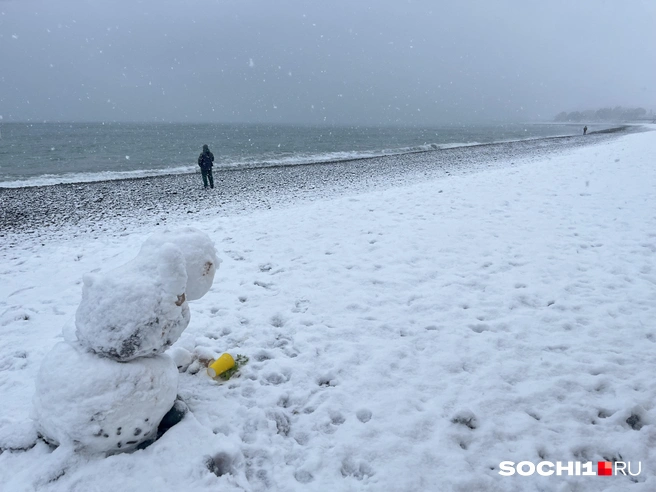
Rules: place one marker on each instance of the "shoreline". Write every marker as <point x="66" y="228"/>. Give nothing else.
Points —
<point x="237" y="167"/>
<point x="154" y="199"/>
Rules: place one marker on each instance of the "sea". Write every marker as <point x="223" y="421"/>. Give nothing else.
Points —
<point x="39" y="154"/>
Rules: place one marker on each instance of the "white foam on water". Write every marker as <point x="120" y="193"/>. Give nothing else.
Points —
<point x="53" y="179"/>
<point x="259" y="161"/>
<point x="256" y="162"/>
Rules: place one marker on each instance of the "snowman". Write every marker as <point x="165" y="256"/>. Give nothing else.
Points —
<point x="107" y="388"/>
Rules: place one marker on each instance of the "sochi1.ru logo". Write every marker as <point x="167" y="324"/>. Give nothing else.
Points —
<point x="572" y="468"/>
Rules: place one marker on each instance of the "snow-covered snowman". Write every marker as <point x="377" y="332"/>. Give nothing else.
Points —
<point x="106" y="388"/>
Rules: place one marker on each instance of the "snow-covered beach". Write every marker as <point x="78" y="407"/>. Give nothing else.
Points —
<point x="406" y="331"/>
<point x="152" y="201"/>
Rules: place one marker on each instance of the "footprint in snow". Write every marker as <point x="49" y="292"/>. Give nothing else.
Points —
<point x="262" y="355"/>
<point x="220" y="464"/>
<point x="264" y="285"/>
<point x="364" y="415"/>
<point x="275" y="378"/>
<point x="283" y="423"/>
<point x="301" y="306"/>
<point x="303" y="476"/>
<point x="466" y="418"/>
<point x="234" y="255"/>
<point x="359" y="470"/>
<point x="336" y="418"/>
<point x="479" y="328"/>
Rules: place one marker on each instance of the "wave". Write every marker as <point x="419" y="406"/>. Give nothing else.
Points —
<point x="244" y="163"/>
<point x="310" y="158"/>
<point x="253" y="162"/>
<point x="90" y="177"/>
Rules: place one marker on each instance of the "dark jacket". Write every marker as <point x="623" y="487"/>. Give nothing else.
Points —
<point x="206" y="159"/>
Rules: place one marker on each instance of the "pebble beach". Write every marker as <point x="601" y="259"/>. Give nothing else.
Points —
<point x="87" y="207"/>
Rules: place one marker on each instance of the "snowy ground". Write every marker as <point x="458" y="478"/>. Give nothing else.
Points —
<point x="404" y="339"/>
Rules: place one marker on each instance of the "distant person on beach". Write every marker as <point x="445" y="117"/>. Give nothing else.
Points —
<point x="585" y="129"/>
<point x="206" y="161"/>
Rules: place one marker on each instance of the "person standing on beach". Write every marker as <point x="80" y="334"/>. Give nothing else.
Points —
<point x="585" y="129"/>
<point x="206" y="161"/>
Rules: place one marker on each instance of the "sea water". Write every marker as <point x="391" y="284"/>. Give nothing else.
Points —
<point x="33" y="154"/>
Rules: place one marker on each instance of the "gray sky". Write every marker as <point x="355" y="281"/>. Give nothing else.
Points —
<point x="339" y="61"/>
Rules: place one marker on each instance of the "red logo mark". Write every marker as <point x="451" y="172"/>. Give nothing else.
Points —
<point x="604" y="468"/>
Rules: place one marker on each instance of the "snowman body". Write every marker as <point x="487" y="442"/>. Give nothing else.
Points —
<point x="108" y="389"/>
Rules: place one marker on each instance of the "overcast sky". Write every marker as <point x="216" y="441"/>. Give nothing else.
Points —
<point x="338" y="61"/>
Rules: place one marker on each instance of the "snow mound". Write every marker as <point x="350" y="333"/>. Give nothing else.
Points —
<point x="182" y="357"/>
<point x="101" y="405"/>
<point x="17" y="434"/>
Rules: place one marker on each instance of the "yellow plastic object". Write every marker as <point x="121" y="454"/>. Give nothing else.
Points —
<point x="221" y="365"/>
